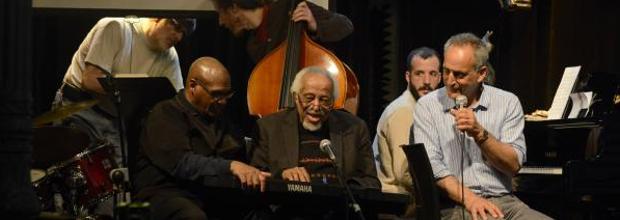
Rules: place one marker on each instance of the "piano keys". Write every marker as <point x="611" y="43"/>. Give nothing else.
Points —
<point x="540" y="170"/>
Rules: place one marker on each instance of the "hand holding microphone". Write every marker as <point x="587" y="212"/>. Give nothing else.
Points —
<point x="464" y="118"/>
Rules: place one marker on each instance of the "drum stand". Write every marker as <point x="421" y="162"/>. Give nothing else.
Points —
<point x="122" y="196"/>
<point x="66" y="185"/>
<point x="76" y="183"/>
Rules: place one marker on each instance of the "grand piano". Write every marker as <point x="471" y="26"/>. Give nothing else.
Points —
<point x="573" y="165"/>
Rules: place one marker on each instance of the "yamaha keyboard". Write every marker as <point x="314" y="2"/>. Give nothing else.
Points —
<point x="285" y="192"/>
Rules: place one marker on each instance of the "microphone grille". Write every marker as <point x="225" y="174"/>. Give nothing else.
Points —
<point x="461" y="100"/>
<point x="324" y="143"/>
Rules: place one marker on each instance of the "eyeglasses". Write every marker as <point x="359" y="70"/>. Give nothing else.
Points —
<point x="178" y="26"/>
<point x="216" y="95"/>
<point x="307" y="99"/>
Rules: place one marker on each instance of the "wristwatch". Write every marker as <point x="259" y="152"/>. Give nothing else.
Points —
<point x="485" y="136"/>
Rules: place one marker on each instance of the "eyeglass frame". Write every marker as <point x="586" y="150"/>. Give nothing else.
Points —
<point x="178" y="26"/>
<point x="216" y="97"/>
<point x="322" y="103"/>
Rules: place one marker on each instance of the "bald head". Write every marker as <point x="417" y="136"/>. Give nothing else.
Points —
<point x="207" y="69"/>
<point x="208" y="86"/>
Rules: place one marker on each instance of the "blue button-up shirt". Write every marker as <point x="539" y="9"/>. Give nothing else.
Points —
<point x="498" y="111"/>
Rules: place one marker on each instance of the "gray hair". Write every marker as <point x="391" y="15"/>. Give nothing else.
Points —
<point x="481" y="48"/>
<point x="297" y="82"/>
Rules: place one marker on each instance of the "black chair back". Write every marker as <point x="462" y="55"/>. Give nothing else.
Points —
<point x="425" y="191"/>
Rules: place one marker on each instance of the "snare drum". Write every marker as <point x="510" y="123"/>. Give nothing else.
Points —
<point x="88" y="174"/>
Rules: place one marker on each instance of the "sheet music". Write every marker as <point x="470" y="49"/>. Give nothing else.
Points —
<point x="581" y="100"/>
<point x="563" y="92"/>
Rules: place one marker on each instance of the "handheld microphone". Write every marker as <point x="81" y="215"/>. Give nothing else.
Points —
<point x="326" y="147"/>
<point x="460" y="101"/>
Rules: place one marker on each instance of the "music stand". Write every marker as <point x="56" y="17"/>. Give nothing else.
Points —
<point x="425" y="190"/>
<point x="136" y="96"/>
<point x="133" y="97"/>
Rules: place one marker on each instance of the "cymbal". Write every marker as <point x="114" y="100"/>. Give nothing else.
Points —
<point x="52" y="145"/>
<point x="36" y="174"/>
<point x="63" y="112"/>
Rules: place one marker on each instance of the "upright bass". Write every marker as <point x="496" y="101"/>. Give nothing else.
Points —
<point x="269" y="83"/>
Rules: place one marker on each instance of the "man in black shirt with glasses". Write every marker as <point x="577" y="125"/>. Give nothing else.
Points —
<point x="184" y="144"/>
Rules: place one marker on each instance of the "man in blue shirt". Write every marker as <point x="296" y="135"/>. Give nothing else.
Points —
<point x="481" y="143"/>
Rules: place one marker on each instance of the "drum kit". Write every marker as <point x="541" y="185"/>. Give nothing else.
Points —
<point x="68" y="176"/>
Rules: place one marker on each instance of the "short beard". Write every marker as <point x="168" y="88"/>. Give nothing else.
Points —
<point x="311" y="127"/>
<point x="413" y="92"/>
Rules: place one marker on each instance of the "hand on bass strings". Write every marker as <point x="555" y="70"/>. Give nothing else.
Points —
<point x="302" y="13"/>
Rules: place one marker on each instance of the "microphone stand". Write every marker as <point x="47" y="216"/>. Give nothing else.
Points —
<point x="353" y="202"/>
<point x="119" y="176"/>
<point x="461" y="101"/>
<point x="462" y="137"/>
